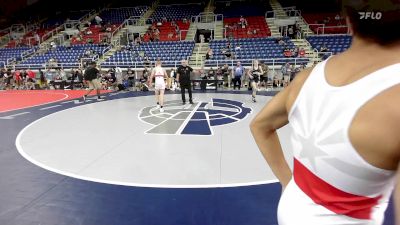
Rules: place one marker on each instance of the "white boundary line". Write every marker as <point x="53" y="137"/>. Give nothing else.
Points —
<point x="50" y="107"/>
<point x="31" y="106"/>
<point x="132" y="184"/>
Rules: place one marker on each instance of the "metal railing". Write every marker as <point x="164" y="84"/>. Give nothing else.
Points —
<point x="138" y="65"/>
<point x="47" y="66"/>
<point x="293" y="13"/>
<point x="207" y="18"/>
<point x="11" y="60"/>
<point x="270" y="14"/>
<point x="248" y="62"/>
<point x="52" y="33"/>
<point x="180" y="34"/>
<point x="321" y="30"/>
<point x="104" y="51"/>
<point x="88" y="15"/>
<point x="27" y="53"/>
<point x="231" y="62"/>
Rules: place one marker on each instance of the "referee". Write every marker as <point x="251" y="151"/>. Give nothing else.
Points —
<point x="183" y="77"/>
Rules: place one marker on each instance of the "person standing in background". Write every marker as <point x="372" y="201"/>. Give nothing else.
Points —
<point x="183" y="77"/>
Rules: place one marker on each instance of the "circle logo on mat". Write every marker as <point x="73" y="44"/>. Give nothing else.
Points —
<point x="192" y="119"/>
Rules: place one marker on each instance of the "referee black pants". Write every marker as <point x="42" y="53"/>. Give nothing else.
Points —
<point x="237" y="82"/>
<point x="189" y="88"/>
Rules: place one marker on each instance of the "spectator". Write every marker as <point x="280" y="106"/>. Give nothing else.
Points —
<point x="37" y="38"/>
<point x="237" y="74"/>
<point x="280" y="41"/>
<point x="201" y="37"/>
<point x="62" y="77"/>
<point x="226" y="75"/>
<point x="302" y="53"/>
<point x="264" y="76"/>
<point x="170" y="35"/>
<point x="286" y="72"/>
<point x="324" y="48"/>
<point x="290" y="32"/>
<point x="227" y="51"/>
<point x="147" y="62"/>
<point x="98" y="20"/>
<point x="287" y="53"/>
<point x="53" y="45"/>
<point x="209" y="53"/>
<point x="295" y="52"/>
<point x="338" y="20"/>
<point x="211" y="74"/>
<point x="243" y="22"/>
<point x="42" y="82"/>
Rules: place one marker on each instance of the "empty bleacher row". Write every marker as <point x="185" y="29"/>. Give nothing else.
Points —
<point x="326" y="23"/>
<point x="231" y="9"/>
<point x="63" y="57"/>
<point x="334" y="43"/>
<point x="242" y="49"/>
<point x="168" y="52"/>
<point x="247" y="49"/>
<point x="118" y="15"/>
<point x="256" y="27"/>
<point x="9" y="53"/>
<point x="176" y="12"/>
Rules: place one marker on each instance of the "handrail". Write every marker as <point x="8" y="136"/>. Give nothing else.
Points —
<point x="87" y="15"/>
<point x="268" y="13"/>
<point x="7" y="30"/>
<point x="289" y="8"/>
<point x="134" y="7"/>
<point x="45" y="65"/>
<point x="52" y="33"/>
<point x="11" y="60"/>
<point x="269" y="61"/>
<point x="324" y="27"/>
<point x="180" y="34"/>
<point x="215" y="18"/>
<point x="27" y="53"/>
<point x="296" y="13"/>
<point x="136" y="64"/>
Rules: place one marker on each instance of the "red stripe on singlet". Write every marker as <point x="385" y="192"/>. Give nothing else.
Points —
<point x="328" y="196"/>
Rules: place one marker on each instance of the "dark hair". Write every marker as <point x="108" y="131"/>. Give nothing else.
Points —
<point x="376" y="20"/>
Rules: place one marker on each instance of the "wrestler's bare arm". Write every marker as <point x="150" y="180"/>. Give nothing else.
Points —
<point x="272" y="117"/>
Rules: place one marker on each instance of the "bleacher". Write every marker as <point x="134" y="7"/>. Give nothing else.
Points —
<point x="168" y="32"/>
<point x="8" y="53"/>
<point x="59" y="19"/>
<point x="231" y="9"/>
<point x="332" y="26"/>
<point x="95" y="37"/>
<point x="244" y="50"/>
<point x="257" y="27"/>
<point x="335" y="43"/>
<point x="66" y="58"/>
<point x="118" y="15"/>
<point x="168" y="52"/>
<point x="176" y="12"/>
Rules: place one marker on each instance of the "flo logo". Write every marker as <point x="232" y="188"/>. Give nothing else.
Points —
<point x="194" y="119"/>
<point x="370" y="15"/>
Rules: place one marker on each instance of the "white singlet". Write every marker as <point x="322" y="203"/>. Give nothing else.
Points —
<point x="332" y="184"/>
<point x="159" y="78"/>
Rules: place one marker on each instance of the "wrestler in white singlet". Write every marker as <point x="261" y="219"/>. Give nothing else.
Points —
<point x="159" y="75"/>
<point x="332" y="184"/>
